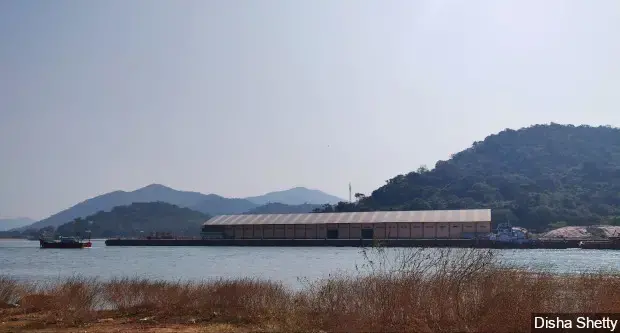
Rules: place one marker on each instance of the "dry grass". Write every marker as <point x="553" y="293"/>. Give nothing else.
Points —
<point x="230" y="301"/>
<point x="412" y="290"/>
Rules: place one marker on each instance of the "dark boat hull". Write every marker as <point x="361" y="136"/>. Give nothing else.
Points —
<point x="59" y="245"/>
<point x="600" y="245"/>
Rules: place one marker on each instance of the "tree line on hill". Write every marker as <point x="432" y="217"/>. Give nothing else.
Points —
<point x="538" y="177"/>
<point x="135" y="220"/>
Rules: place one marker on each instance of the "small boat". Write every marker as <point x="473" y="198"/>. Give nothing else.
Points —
<point x="64" y="243"/>
<point x="506" y="233"/>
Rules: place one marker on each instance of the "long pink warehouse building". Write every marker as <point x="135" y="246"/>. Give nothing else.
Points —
<point x="358" y="225"/>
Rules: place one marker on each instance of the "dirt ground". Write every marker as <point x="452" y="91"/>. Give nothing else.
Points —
<point x="35" y="323"/>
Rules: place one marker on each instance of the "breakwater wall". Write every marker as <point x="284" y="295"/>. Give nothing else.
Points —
<point x="464" y="243"/>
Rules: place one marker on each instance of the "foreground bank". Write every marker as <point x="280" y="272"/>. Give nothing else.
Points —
<point x="454" y="290"/>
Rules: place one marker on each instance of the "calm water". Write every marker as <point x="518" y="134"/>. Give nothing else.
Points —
<point x="24" y="260"/>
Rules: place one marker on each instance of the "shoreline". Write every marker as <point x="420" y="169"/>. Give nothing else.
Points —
<point x="349" y="242"/>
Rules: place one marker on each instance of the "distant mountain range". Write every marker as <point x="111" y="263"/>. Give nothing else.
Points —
<point x="280" y="208"/>
<point x="296" y="196"/>
<point x="213" y="204"/>
<point x="210" y="204"/>
<point x="14" y="223"/>
<point x="137" y="219"/>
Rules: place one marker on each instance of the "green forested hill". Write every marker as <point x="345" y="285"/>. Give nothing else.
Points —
<point x="133" y="219"/>
<point x="534" y="177"/>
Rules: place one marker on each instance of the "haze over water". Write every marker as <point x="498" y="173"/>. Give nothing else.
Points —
<point x="24" y="260"/>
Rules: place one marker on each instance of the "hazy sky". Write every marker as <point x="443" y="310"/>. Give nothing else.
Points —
<point x="241" y="98"/>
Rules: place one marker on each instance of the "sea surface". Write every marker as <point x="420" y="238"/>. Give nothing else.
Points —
<point x="294" y="266"/>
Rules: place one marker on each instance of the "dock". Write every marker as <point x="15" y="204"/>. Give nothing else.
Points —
<point x="612" y="243"/>
<point x="458" y="243"/>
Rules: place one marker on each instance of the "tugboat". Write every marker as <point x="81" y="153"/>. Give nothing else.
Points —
<point x="507" y="234"/>
<point x="65" y="243"/>
<point x="509" y="237"/>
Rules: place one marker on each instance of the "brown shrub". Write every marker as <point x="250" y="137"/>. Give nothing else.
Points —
<point x="10" y="291"/>
<point x="454" y="290"/>
<point x="243" y="300"/>
<point x="38" y="302"/>
<point x="70" y="302"/>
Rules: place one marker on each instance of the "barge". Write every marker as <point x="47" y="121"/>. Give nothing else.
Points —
<point x="463" y="243"/>
<point x="469" y="228"/>
<point x="505" y="237"/>
<point x="612" y="243"/>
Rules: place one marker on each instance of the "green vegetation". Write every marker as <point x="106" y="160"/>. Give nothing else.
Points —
<point x="532" y="177"/>
<point x="32" y="233"/>
<point x="557" y="225"/>
<point x="131" y="220"/>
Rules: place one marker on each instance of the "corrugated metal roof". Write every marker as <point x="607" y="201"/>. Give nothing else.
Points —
<point x="465" y="215"/>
